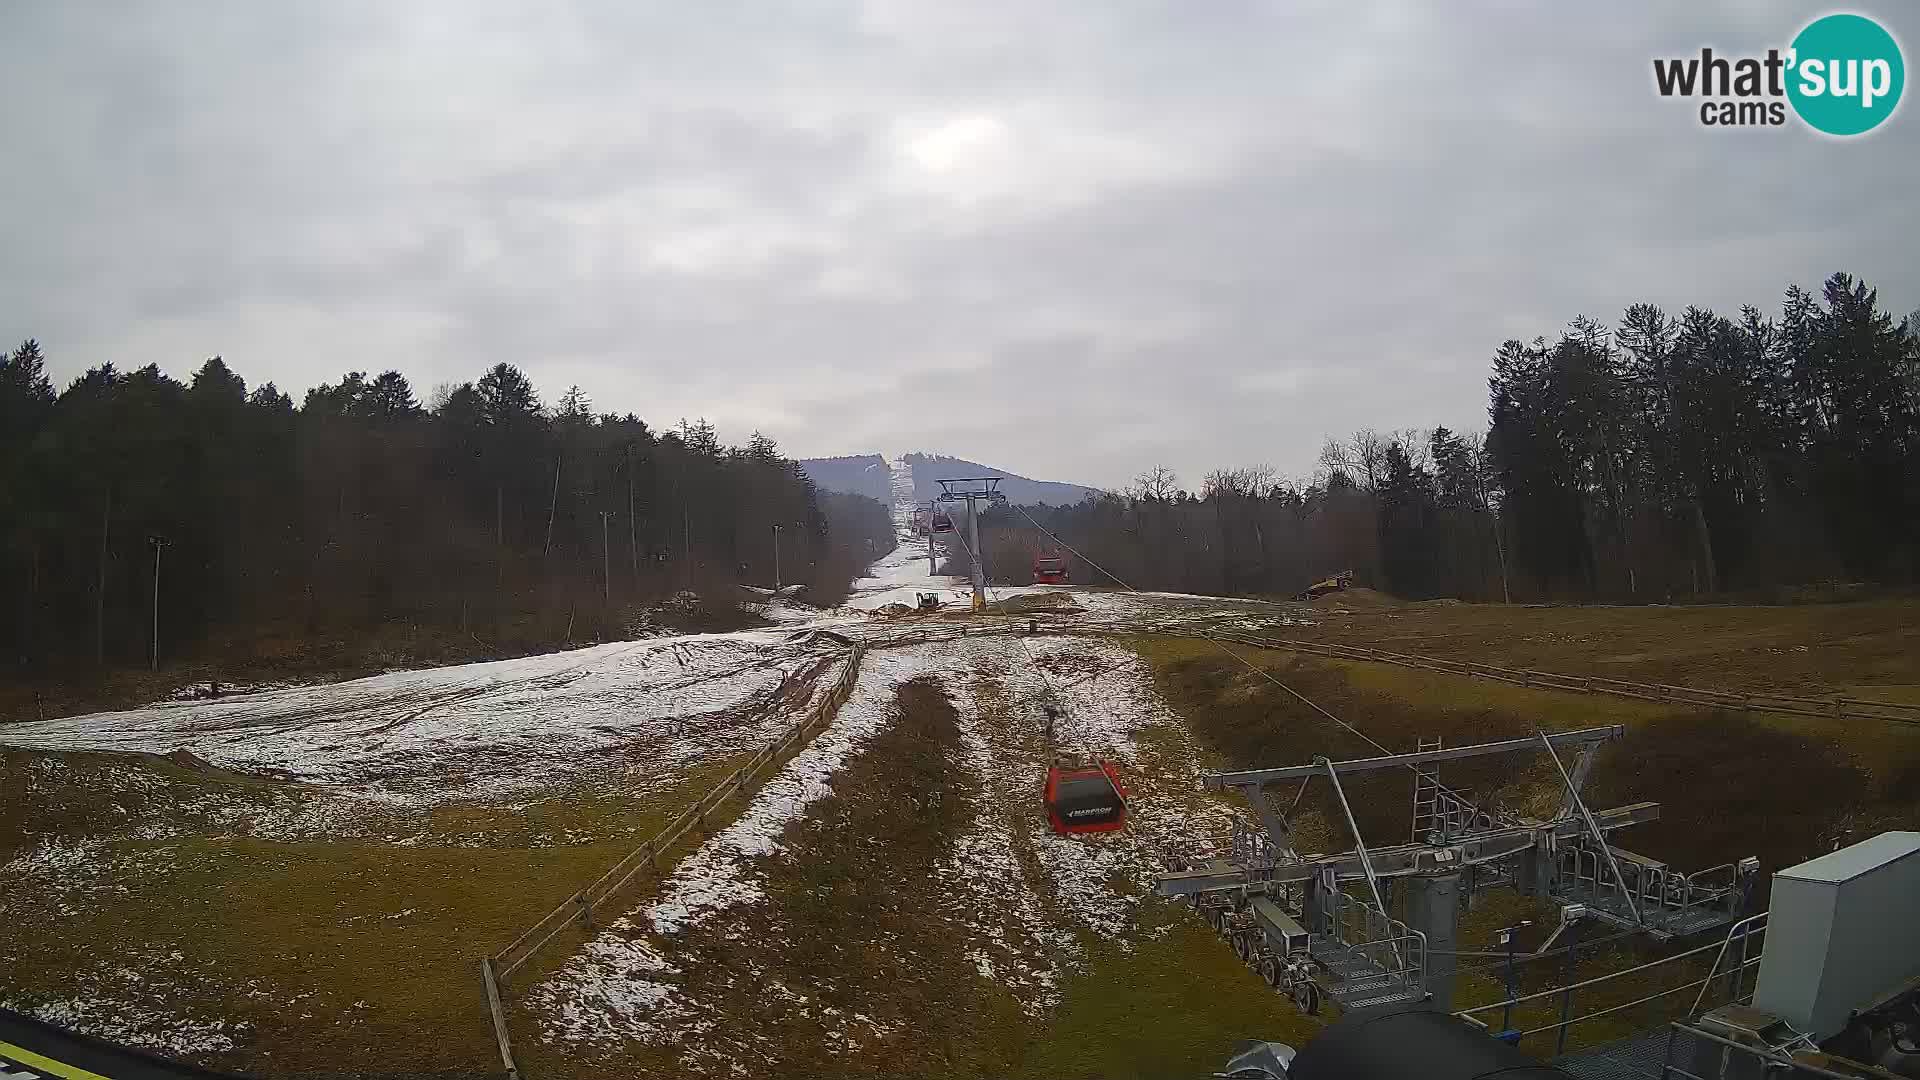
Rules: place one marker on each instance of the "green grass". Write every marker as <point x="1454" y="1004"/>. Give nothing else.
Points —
<point x="1871" y="644"/>
<point x="852" y="924"/>
<point x="329" y="951"/>
<point x="1718" y="775"/>
<point x="1174" y="1002"/>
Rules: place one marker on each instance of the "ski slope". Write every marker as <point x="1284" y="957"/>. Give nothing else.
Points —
<point x="494" y="755"/>
<point x="903" y="573"/>
<point x="472" y="730"/>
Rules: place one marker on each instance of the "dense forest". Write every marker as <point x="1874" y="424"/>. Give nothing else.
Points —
<point x="1667" y="457"/>
<point x="1670" y="457"/>
<point x="231" y="514"/>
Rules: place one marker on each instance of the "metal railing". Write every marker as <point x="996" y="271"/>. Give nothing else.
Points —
<point x="1746" y="931"/>
<point x="1360" y="848"/>
<point x="1248" y="845"/>
<point x="1736" y="973"/>
<point x="1767" y="1061"/>
<point x="1656" y="888"/>
<point x="1362" y="928"/>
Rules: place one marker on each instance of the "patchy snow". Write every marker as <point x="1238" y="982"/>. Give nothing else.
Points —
<point x="133" y="1019"/>
<point x="58" y="865"/>
<point x="614" y="976"/>
<point x="206" y="691"/>
<point x="900" y="575"/>
<point x="1003" y="909"/>
<point x="717" y="876"/>
<point x="1110" y="697"/>
<point x="115" y="991"/>
<point x="1025" y="931"/>
<point x="1027" y="901"/>
<point x="788" y="613"/>
<point x="1191" y="610"/>
<point x="474" y="730"/>
<point x="605" y="993"/>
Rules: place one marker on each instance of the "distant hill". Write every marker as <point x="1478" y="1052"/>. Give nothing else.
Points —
<point x="861" y="474"/>
<point x="928" y="468"/>
<point x="870" y="475"/>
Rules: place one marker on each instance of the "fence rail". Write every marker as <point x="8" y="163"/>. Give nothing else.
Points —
<point x="578" y="909"/>
<point x="1833" y="707"/>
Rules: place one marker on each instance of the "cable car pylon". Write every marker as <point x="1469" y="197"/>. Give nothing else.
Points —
<point x="971" y="490"/>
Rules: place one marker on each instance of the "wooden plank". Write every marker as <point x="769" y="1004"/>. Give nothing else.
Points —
<point x="642" y="854"/>
<point x="534" y="949"/>
<point x="644" y="865"/>
<point x="557" y="913"/>
<point x="1904" y="705"/>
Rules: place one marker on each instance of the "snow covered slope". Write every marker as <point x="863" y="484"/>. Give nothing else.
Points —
<point x="904" y="572"/>
<point x="473" y="729"/>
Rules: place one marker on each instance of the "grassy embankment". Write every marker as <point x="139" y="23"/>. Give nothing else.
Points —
<point x="1781" y="788"/>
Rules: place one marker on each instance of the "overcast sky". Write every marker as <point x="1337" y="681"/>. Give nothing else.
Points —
<point x="1072" y="239"/>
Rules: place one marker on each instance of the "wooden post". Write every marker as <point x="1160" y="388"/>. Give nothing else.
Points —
<point x="499" y="1018"/>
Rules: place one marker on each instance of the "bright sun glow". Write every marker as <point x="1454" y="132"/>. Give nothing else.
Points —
<point x="957" y="142"/>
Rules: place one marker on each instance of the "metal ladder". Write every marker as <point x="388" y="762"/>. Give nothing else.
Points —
<point x="1426" y="796"/>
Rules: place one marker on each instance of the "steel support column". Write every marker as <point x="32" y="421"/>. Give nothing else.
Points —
<point x="1433" y="908"/>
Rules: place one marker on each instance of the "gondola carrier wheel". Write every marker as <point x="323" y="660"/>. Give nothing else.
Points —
<point x="1306" y="997"/>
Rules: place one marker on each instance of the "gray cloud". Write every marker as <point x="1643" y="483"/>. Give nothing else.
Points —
<point x="1073" y="239"/>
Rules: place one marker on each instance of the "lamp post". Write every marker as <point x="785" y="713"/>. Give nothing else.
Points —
<point x="606" y="560"/>
<point x="157" y="542"/>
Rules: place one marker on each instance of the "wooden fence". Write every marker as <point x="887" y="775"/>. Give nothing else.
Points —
<point x="1830" y="707"/>
<point x="578" y="909"/>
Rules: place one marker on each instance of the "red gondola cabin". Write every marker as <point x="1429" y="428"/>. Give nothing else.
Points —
<point x="1085" y="799"/>
<point x="1049" y="569"/>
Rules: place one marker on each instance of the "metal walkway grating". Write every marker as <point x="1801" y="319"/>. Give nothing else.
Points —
<point x="1636" y="1057"/>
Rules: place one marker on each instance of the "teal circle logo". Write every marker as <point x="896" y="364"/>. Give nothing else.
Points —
<point x="1846" y="74"/>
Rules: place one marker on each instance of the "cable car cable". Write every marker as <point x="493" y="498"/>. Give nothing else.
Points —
<point x="1053" y="692"/>
<point x="1255" y="668"/>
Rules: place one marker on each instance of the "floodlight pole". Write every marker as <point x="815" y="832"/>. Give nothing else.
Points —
<point x="158" y="543"/>
<point x="606" y="560"/>
<point x="932" y="565"/>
